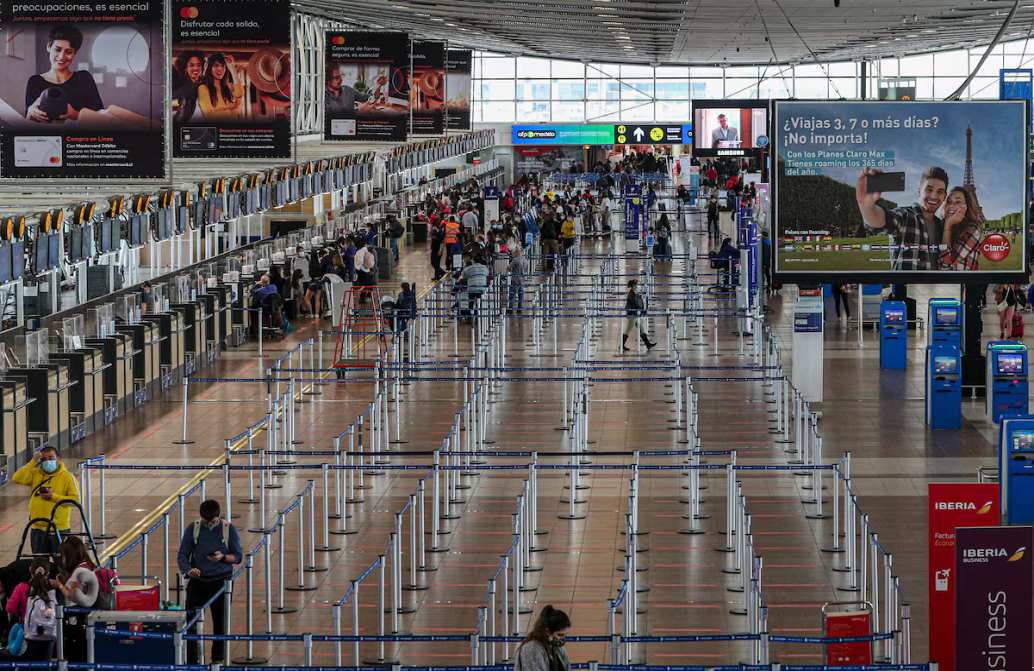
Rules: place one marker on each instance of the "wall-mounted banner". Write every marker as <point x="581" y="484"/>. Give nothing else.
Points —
<point x="993" y="597"/>
<point x="82" y="89"/>
<point x="427" y="88"/>
<point x="951" y="505"/>
<point x="367" y="96"/>
<point x="231" y="78"/>
<point x="459" y="65"/>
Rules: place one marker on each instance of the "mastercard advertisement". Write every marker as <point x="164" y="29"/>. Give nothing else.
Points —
<point x="907" y="191"/>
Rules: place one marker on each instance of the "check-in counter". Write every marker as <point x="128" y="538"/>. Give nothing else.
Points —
<point x="211" y="322"/>
<point x="171" y="343"/>
<point x="145" y="371"/>
<point x="14" y="430"/>
<point x="48" y="416"/>
<point x="86" y="395"/>
<point x="192" y="317"/>
<point x="117" y="375"/>
<point x="224" y="320"/>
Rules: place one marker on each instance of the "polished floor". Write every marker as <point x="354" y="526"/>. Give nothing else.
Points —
<point x="877" y="416"/>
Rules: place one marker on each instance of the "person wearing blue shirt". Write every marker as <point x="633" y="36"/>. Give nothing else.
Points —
<point x="263" y="289"/>
<point x="209" y="549"/>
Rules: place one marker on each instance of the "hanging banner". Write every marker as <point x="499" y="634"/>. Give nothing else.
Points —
<point x="231" y="78"/>
<point x="993" y="597"/>
<point x="951" y="505"/>
<point x="459" y="64"/>
<point x="367" y="93"/>
<point x="82" y="90"/>
<point x="427" y="89"/>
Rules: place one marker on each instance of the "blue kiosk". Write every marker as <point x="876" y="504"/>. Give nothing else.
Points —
<point x="943" y="387"/>
<point x="1006" y="379"/>
<point x="944" y="322"/>
<point x="1016" y="469"/>
<point x="893" y="335"/>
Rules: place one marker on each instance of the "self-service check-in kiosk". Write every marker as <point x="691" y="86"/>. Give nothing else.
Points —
<point x="944" y="322"/>
<point x="1006" y="379"/>
<point x="1016" y="469"/>
<point x="893" y="335"/>
<point x="943" y="387"/>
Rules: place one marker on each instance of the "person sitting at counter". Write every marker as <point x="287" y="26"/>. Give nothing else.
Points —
<point x="263" y="289"/>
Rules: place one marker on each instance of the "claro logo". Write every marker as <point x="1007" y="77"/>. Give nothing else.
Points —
<point x="995" y="247"/>
<point x="964" y="505"/>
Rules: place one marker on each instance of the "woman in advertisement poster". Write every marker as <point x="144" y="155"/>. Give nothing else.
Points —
<point x="188" y="72"/>
<point x="960" y="246"/>
<point x="220" y="96"/>
<point x="59" y="93"/>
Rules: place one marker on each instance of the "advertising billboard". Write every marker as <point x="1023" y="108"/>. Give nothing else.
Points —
<point x="951" y="505"/>
<point x="730" y="127"/>
<point x="993" y="597"/>
<point x="82" y="90"/>
<point x="459" y="65"/>
<point x="900" y="192"/>
<point x="367" y="86"/>
<point x="231" y="78"/>
<point x="427" y="88"/>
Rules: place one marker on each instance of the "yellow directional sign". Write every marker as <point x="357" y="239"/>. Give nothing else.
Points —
<point x="621" y="139"/>
<point x="656" y="134"/>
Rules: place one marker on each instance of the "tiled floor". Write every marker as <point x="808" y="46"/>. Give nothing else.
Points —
<point x="877" y="416"/>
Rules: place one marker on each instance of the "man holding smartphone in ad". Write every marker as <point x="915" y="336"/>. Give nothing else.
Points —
<point x="916" y="230"/>
<point x="50" y="484"/>
<point x="208" y="551"/>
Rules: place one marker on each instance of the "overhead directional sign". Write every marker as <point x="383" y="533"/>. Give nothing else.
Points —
<point x="626" y="133"/>
<point x="601" y="134"/>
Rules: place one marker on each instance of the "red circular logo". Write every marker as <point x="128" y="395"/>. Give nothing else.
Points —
<point x="188" y="13"/>
<point x="995" y="247"/>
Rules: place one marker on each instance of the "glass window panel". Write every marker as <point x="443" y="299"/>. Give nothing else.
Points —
<point x="533" y="111"/>
<point x="568" y="111"/>
<point x="493" y="68"/>
<point x="1019" y="60"/>
<point x="741" y="72"/>
<point x="950" y="63"/>
<point x="602" y="89"/>
<point x="945" y="86"/>
<point x="916" y="65"/>
<point x="602" y="110"/>
<point x="776" y="87"/>
<point x="497" y="89"/>
<point x="636" y="111"/>
<point x="990" y="67"/>
<point x="672" y="110"/>
<point x="598" y="69"/>
<point x="704" y="73"/>
<point x="476" y="113"/>
<point x="808" y="70"/>
<point x="1020" y="46"/>
<point x="811" y="87"/>
<point x="636" y="89"/>
<point x="842" y="69"/>
<point x="741" y="88"/>
<point x="567" y="69"/>
<point x="888" y="67"/>
<point x="706" y="89"/>
<point x="673" y="89"/>
<point x="532" y="67"/>
<point x="984" y="88"/>
<point x="672" y="71"/>
<point x="533" y="89"/>
<point x="568" y="89"/>
<point x="497" y="112"/>
<point x="636" y="71"/>
<point x="843" y="87"/>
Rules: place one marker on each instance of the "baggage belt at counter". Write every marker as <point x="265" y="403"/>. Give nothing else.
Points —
<point x="85" y="393"/>
<point x="117" y="373"/>
<point x="14" y="432"/>
<point x="170" y="345"/>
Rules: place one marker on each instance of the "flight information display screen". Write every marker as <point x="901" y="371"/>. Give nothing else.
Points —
<point x="1010" y="364"/>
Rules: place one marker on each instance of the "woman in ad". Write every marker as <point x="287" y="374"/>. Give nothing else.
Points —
<point x="960" y="248"/>
<point x="219" y="96"/>
<point x="59" y="93"/>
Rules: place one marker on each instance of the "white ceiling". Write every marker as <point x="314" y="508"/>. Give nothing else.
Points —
<point x="702" y="32"/>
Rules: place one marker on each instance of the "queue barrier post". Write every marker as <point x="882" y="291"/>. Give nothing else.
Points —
<point x="183" y="424"/>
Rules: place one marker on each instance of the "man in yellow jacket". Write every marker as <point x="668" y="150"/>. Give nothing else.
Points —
<point x="51" y="483"/>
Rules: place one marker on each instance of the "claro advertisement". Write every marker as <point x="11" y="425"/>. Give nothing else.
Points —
<point x="459" y="64"/>
<point x="917" y="191"/>
<point x="367" y="81"/>
<point x="82" y="89"/>
<point x="231" y="78"/>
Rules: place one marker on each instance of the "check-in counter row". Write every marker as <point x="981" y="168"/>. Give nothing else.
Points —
<point x="80" y="391"/>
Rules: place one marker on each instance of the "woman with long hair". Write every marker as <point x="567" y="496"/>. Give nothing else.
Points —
<point x="960" y="245"/>
<point x="220" y="96"/>
<point x="40" y="620"/>
<point x="77" y="580"/>
<point x="543" y="647"/>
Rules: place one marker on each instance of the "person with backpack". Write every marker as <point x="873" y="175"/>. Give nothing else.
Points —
<point x="635" y="310"/>
<point x="208" y="551"/>
<point x="33" y="638"/>
<point x="395" y="231"/>
<point x="543" y="647"/>
<point x="51" y="484"/>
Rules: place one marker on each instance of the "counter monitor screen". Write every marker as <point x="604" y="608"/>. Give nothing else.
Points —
<point x="136" y="237"/>
<point x="40" y="258"/>
<point x="84" y="241"/>
<point x="114" y="235"/>
<point x="945" y="316"/>
<point x="945" y="365"/>
<point x="17" y="260"/>
<point x="105" y="242"/>
<point x="894" y="316"/>
<point x="75" y="244"/>
<point x="5" y="263"/>
<point x="1010" y="364"/>
<point x="1022" y="441"/>
<point x="54" y="243"/>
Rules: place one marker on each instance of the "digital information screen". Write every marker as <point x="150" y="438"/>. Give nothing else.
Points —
<point x="946" y="316"/>
<point x="945" y="365"/>
<point x="894" y="316"/>
<point x="730" y="127"/>
<point x="1022" y="441"/>
<point x="1010" y="364"/>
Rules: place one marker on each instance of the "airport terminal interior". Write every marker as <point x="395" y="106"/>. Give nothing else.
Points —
<point x="581" y="334"/>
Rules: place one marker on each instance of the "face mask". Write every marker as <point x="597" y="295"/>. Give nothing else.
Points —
<point x="211" y="524"/>
<point x="557" y="642"/>
<point x="49" y="466"/>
